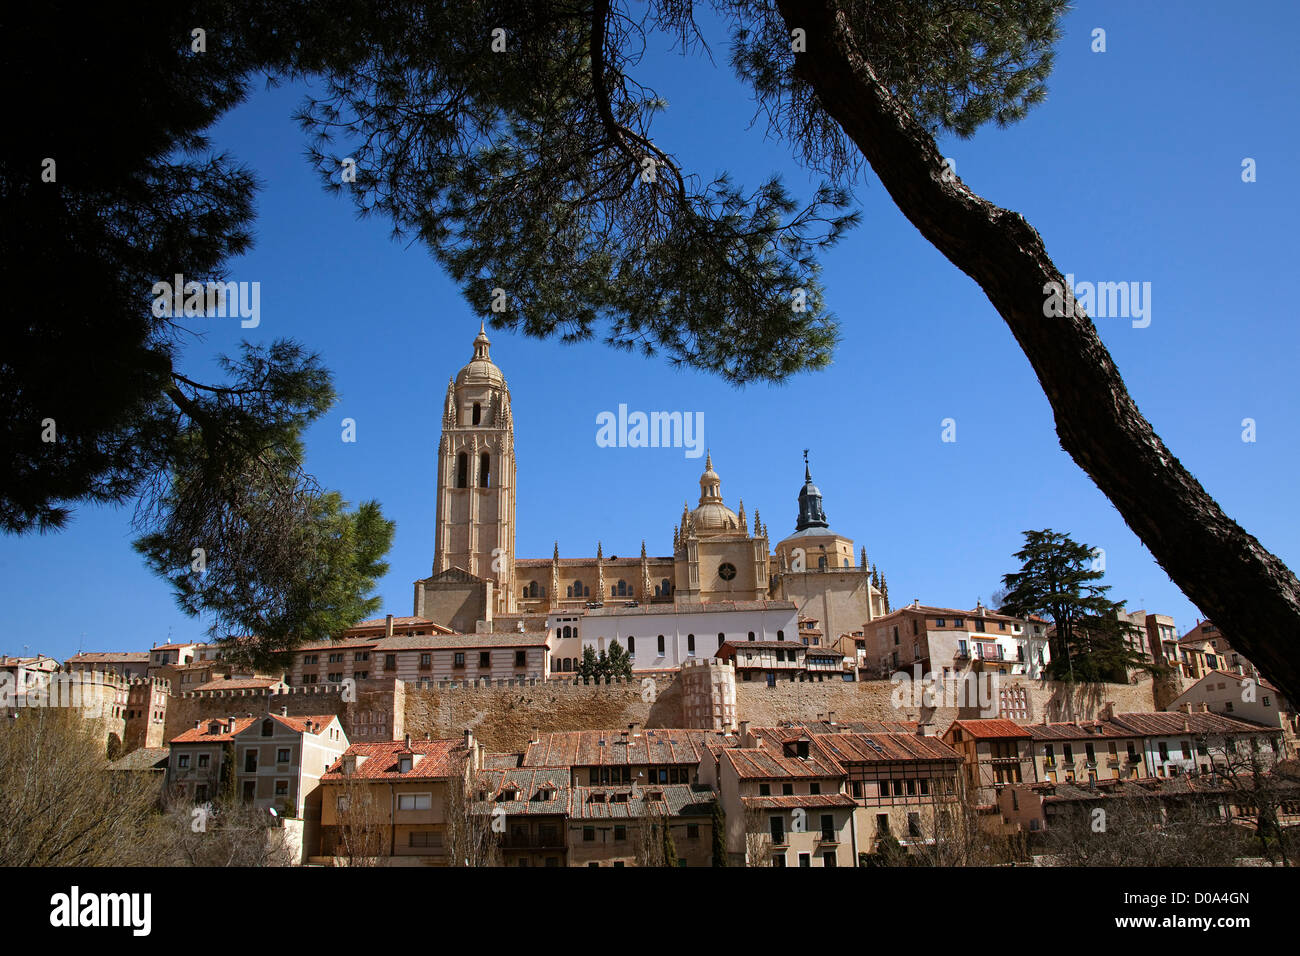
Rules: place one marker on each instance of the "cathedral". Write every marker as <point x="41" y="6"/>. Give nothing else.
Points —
<point x="478" y="583"/>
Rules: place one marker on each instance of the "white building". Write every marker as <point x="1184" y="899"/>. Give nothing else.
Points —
<point x="663" y="636"/>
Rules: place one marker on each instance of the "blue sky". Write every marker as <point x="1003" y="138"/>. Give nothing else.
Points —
<point x="1131" y="171"/>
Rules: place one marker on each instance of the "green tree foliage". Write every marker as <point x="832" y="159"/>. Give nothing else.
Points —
<point x="1057" y="581"/>
<point x="719" y="836"/>
<point x="589" y="667"/>
<point x="669" y="848"/>
<point x="619" y="661"/>
<point x="134" y="197"/>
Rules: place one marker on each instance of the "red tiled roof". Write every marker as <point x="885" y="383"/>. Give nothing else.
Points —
<point x="120" y="657"/>
<point x="299" y="724"/>
<point x="770" y="762"/>
<point x="847" y="748"/>
<point x="992" y="728"/>
<point x="1082" y="730"/>
<point x="202" y="734"/>
<point x="437" y="760"/>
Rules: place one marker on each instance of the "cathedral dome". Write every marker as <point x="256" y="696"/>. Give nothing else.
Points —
<point x="712" y="516"/>
<point x="481" y="370"/>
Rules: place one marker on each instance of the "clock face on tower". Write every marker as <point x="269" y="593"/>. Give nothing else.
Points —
<point x="726" y="570"/>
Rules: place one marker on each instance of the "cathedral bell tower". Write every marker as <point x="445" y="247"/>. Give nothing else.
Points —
<point x="475" y="529"/>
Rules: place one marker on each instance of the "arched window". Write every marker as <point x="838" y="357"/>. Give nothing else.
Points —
<point x="578" y="590"/>
<point x="532" y="590"/>
<point x="462" y="470"/>
<point x="661" y="645"/>
<point x="622" y="588"/>
<point x="656" y="590"/>
<point x="268" y="727"/>
<point x="567" y="631"/>
<point x="846" y="562"/>
<point x="485" y="470"/>
<point x="569" y="591"/>
<point x="665" y="587"/>
<point x="780" y="635"/>
<point x="690" y="643"/>
<point x="751" y="635"/>
<point x="821" y="563"/>
<point x="721" y="638"/>
<point x="631" y="644"/>
<point x="477" y="414"/>
<point x="558" y="635"/>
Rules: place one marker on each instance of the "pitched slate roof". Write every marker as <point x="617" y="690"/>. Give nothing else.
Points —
<point x="502" y="761"/>
<point x="1083" y="730"/>
<point x="678" y="800"/>
<point x="146" y="758"/>
<point x="109" y="657"/>
<point x="769" y="761"/>
<point x="849" y="748"/>
<point x="589" y="748"/>
<point x="527" y="783"/>
<point x="1173" y="723"/>
<point x="437" y="759"/>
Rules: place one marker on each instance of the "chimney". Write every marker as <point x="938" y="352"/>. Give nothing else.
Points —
<point x="198" y="724"/>
<point x="1108" y="710"/>
<point x="309" y="726"/>
<point x="925" y="730"/>
<point x="534" y="736"/>
<point x="830" y="717"/>
<point x="388" y="626"/>
<point x="635" y="727"/>
<point x="408" y="741"/>
<point x="1185" y="707"/>
<point x="469" y="740"/>
<point x="757" y="742"/>
<point x="744" y="731"/>
<point x="284" y="710"/>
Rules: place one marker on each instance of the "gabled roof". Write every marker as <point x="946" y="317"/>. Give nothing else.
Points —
<point x="589" y="748"/>
<point x="204" y="735"/>
<point x="528" y="784"/>
<point x="1082" y="730"/>
<point x="991" y="729"/>
<point x="676" y="800"/>
<point x="808" y="801"/>
<point x="319" y="723"/>
<point x="436" y="761"/>
<point x="146" y="758"/>
<point x="848" y="748"/>
<point x="1174" y="723"/>
<point x="768" y="761"/>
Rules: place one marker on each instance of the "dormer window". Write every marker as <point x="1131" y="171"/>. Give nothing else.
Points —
<point x="404" y="764"/>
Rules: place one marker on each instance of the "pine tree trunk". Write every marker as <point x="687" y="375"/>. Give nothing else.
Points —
<point x="1251" y="596"/>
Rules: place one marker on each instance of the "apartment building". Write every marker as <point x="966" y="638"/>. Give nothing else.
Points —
<point x="1242" y="698"/>
<point x="903" y="784"/>
<point x="784" y="801"/>
<point x="619" y="826"/>
<point x="351" y="654"/>
<point x="528" y="809"/>
<point x="194" y="770"/>
<point x="625" y="757"/>
<point x="663" y="637"/>
<point x="123" y="663"/>
<point x="996" y="752"/>
<point x="768" y="661"/>
<point x="951" y="643"/>
<point x="1085" y="751"/>
<point x="399" y="792"/>
<point x="281" y="759"/>
<point x="1187" y="741"/>
<point x="1214" y="652"/>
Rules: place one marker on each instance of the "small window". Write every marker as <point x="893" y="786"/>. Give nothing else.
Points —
<point x="282" y="755"/>
<point x="751" y="635"/>
<point x="462" y="470"/>
<point x="780" y="635"/>
<point x="520" y="659"/>
<point x="589" y="836"/>
<point x="484" y="658"/>
<point x="268" y="727"/>
<point x="426" y="660"/>
<point x="631" y="644"/>
<point x="459" y="660"/>
<point x="690" y="638"/>
<point x="690" y="643"/>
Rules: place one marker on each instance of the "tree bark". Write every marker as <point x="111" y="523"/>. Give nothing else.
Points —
<point x="1250" y="595"/>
